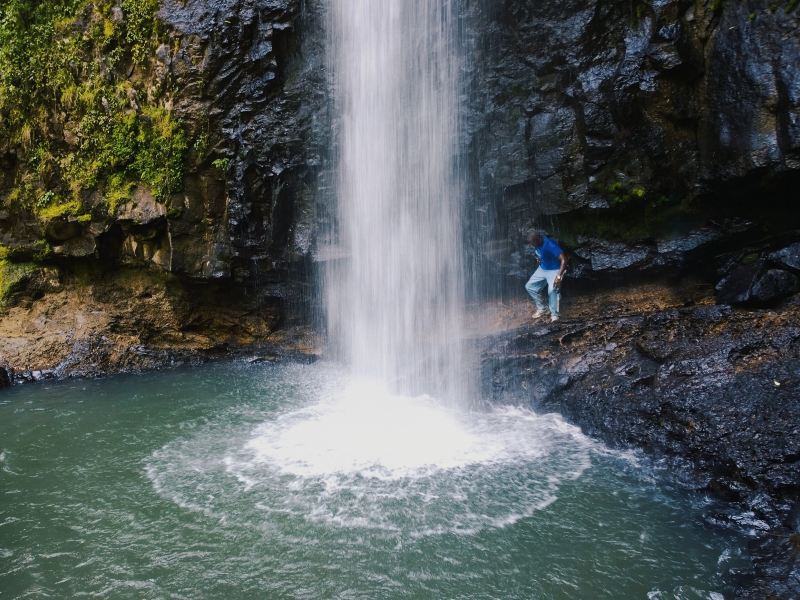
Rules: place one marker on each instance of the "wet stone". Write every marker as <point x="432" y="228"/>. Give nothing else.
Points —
<point x="775" y="284"/>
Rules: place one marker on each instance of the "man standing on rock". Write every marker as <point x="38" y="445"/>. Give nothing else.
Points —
<point x="552" y="265"/>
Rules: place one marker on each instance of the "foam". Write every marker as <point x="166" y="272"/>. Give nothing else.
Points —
<point x="364" y="458"/>
<point x="367" y="431"/>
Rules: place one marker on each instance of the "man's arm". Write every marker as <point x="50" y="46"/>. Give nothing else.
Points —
<point x="563" y="260"/>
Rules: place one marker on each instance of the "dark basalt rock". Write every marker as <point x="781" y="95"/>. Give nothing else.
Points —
<point x="651" y="120"/>
<point x="788" y="257"/>
<point x="774" y="285"/>
<point x="6" y="378"/>
<point x="748" y="280"/>
<point x="254" y="70"/>
<point x="711" y="386"/>
<point x="737" y="286"/>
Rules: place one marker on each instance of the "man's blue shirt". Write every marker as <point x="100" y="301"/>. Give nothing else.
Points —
<point x="548" y="254"/>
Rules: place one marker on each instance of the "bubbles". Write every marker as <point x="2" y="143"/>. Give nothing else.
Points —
<point x="363" y="430"/>
<point x="361" y="457"/>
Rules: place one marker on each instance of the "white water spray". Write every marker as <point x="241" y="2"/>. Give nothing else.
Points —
<point x="394" y="304"/>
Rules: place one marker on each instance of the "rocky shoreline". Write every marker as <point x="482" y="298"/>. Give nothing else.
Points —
<point x="136" y="320"/>
<point x="710" y="387"/>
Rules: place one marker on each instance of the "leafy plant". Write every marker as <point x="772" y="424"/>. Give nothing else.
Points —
<point x="221" y="164"/>
<point x="69" y="111"/>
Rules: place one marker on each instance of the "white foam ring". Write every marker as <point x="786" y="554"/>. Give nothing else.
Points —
<point x="364" y="458"/>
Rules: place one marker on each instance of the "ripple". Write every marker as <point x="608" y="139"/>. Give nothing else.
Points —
<point x="362" y="458"/>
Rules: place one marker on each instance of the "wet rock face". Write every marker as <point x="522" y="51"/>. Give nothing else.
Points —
<point x="250" y="73"/>
<point x="244" y="77"/>
<point x="760" y="279"/>
<point x="5" y="377"/>
<point x="596" y="121"/>
<point x="713" y="386"/>
<point x="621" y="111"/>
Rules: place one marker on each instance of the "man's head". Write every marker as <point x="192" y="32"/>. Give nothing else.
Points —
<point x="536" y="238"/>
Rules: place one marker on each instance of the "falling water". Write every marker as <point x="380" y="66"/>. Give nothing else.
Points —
<point x="394" y="303"/>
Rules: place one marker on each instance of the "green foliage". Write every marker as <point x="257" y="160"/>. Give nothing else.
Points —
<point x="142" y="27"/>
<point x="58" y="209"/>
<point x="12" y="276"/>
<point x="162" y="147"/>
<point x="41" y="250"/>
<point x="620" y="193"/>
<point x="221" y="164"/>
<point x="37" y="252"/>
<point x="118" y="190"/>
<point x="70" y="112"/>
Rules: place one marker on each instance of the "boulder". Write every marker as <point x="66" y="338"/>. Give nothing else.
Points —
<point x="142" y="208"/>
<point x="788" y="257"/>
<point x="736" y="286"/>
<point x="774" y="285"/>
<point x="84" y="245"/>
<point x="612" y="256"/>
<point x="6" y="378"/>
<point x="63" y="228"/>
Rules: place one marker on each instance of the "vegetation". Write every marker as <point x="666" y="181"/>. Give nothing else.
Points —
<point x="221" y="164"/>
<point x="73" y="108"/>
<point x="12" y="275"/>
<point x="634" y="214"/>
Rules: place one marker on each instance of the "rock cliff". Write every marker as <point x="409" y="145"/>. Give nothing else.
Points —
<point x="644" y="135"/>
<point x="224" y="100"/>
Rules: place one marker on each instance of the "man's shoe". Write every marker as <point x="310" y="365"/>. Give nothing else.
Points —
<point x="553" y="318"/>
<point x="538" y="313"/>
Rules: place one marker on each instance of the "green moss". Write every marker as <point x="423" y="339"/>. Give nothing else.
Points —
<point x="36" y="252"/>
<point x="12" y="276"/>
<point x="750" y="259"/>
<point x="58" y="209"/>
<point x="618" y="192"/>
<point x="174" y="212"/>
<point x="162" y="147"/>
<point x="41" y="250"/>
<point x="118" y="191"/>
<point x="64" y="67"/>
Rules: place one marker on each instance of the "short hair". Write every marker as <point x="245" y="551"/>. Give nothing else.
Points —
<point x="535" y="237"/>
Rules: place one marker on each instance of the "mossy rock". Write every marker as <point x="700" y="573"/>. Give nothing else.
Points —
<point x="74" y="118"/>
<point x="13" y="277"/>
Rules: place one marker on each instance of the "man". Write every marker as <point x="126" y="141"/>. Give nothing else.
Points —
<point x="550" y="273"/>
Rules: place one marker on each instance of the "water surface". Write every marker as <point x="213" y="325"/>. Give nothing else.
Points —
<point x="287" y="481"/>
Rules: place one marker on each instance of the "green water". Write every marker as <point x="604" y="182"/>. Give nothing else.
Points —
<point x="267" y="481"/>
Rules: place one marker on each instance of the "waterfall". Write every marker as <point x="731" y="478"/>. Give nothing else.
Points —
<point x="394" y="301"/>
